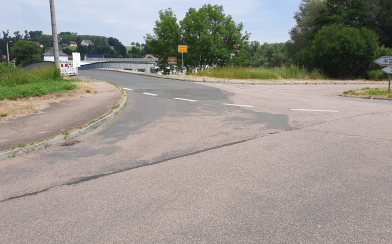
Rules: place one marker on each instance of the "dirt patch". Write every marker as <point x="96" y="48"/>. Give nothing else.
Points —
<point x="20" y="107"/>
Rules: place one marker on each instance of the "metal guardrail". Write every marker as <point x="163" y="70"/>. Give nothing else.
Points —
<point x="136" y="60"/>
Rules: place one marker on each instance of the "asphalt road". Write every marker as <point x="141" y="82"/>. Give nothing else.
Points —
<point x="211" y="163"/>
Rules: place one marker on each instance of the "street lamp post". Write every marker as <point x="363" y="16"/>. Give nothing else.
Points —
<point x="8" y="53"/>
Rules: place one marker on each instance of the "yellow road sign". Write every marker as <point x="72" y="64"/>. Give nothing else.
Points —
<point x="182" y="48"/>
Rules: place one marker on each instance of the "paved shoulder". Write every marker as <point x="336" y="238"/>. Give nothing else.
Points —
<point x="59" y="117"/>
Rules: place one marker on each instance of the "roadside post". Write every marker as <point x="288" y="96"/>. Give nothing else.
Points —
<point x="182" y="49"/>
<point x="386" y="61"/>
<point x="172" y="61"/>
<point x="76" y="63"/>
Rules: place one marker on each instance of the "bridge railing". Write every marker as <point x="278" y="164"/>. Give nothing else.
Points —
<point x="122" y="59"/>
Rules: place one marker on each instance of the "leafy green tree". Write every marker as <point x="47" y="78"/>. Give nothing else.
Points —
<point x="348" y="13"/>
<point x="212" y="37"/>
<point x="301" y="34"/>
<point x="26" y="52"/>
<point x="67" y="51"/>
<point x="340" y="52"/>
<point x="18" y="36"/>
<point x="35" y="34"/>
<point x="165" y="39"/>
<point x="266" y="55"/>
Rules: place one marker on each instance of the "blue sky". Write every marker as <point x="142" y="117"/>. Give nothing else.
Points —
<point x="129" y="21"/>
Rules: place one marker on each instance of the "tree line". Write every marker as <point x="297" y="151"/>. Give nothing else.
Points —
<point x="339" y="38"/>
<point x="22" y="46"/>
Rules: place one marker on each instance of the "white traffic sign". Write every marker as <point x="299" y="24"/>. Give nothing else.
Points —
<point x="384" y="61"/>
<point x="76" y="59"/>
<point x="387" y="70"/>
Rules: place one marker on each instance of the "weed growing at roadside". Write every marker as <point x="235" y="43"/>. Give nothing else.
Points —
<point x="287" y="72"/>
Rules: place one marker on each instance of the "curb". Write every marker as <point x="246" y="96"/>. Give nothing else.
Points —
<point x="255" y="82"/>
<point x="63" y="139"/>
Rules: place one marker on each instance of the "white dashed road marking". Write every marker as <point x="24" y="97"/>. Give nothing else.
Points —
<point x="184" y="99"/>
<point x="150" y="94"/>
<point x="238" y="105"/>
<point x="127" y="89"/>
<point x="314" y="110"/>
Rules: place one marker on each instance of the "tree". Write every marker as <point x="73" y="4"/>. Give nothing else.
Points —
<point x="26" y="35"/>
<point x="349" y="13"/>
<point x="340" y="51"/>
<point x="68" y="33"/>
<point x="6" y="35"/>
<point x="212" y="37"/>
<point x="309" y="11"/>
<point x="25" y="52"/>
<point x="163" y="43"/>
<point x="18" y="36"/>
<point x="35" y="34"/>
<point x="266" y="55"/>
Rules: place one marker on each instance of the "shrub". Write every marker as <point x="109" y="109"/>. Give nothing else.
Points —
<point x="340" y="52"/>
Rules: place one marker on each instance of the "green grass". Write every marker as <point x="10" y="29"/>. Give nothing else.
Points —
<point x="369" y="92"/>
<point x="129" y="48"/>
<point x="289" y="72"/>
<point x="19" y="83"/>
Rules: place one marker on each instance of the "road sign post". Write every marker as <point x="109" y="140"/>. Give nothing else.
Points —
<point x="386" y="61"/>
<point x="182" y="49"/>
<point x="172" y="60"/>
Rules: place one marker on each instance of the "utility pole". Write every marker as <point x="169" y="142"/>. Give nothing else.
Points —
<point x="8" y="53"/>
<point x="54" y="34"/>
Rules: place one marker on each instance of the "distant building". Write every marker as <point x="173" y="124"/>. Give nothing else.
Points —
<point x="92" y="57"/>
<point x="86" y="43"/>
<point x="4" y="57"/>
<point x="49" y="56"/>
<point x="73" y="44"/>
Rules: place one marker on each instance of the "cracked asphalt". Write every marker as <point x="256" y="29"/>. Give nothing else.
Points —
<point x="211" y="163"/>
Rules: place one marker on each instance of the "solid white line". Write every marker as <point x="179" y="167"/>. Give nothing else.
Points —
<point x="238" y="105"/>
<point x="127" y="89"/>
<point x="150" y="94"/>
<point x="314" y="110"/>
<point x="184" y="99"/>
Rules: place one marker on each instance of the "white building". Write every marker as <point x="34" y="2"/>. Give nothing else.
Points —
<point x="86" y="43"/>
<point x="49" y="56"/>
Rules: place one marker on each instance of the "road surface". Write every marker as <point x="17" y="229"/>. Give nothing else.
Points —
<point x="211" y="163"/>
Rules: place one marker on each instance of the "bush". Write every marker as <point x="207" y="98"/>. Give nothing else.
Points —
<point x="6" y="67"/>
<point x="26" y="52"/>
<point x="376" y="75"/>
<point x="340" y="52"/>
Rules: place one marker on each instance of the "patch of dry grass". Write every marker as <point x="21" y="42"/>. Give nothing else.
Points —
<point x="30" y="105"/>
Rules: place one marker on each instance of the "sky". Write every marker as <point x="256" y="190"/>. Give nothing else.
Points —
<point x="129" y="21"/>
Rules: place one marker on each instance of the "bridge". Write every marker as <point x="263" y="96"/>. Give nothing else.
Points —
<point x="146" y="64"/>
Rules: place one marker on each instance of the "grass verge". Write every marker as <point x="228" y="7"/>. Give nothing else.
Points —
<point x="369" y="92"/>
<point x="20" y="83"/>
<point x="279" y="73"/>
